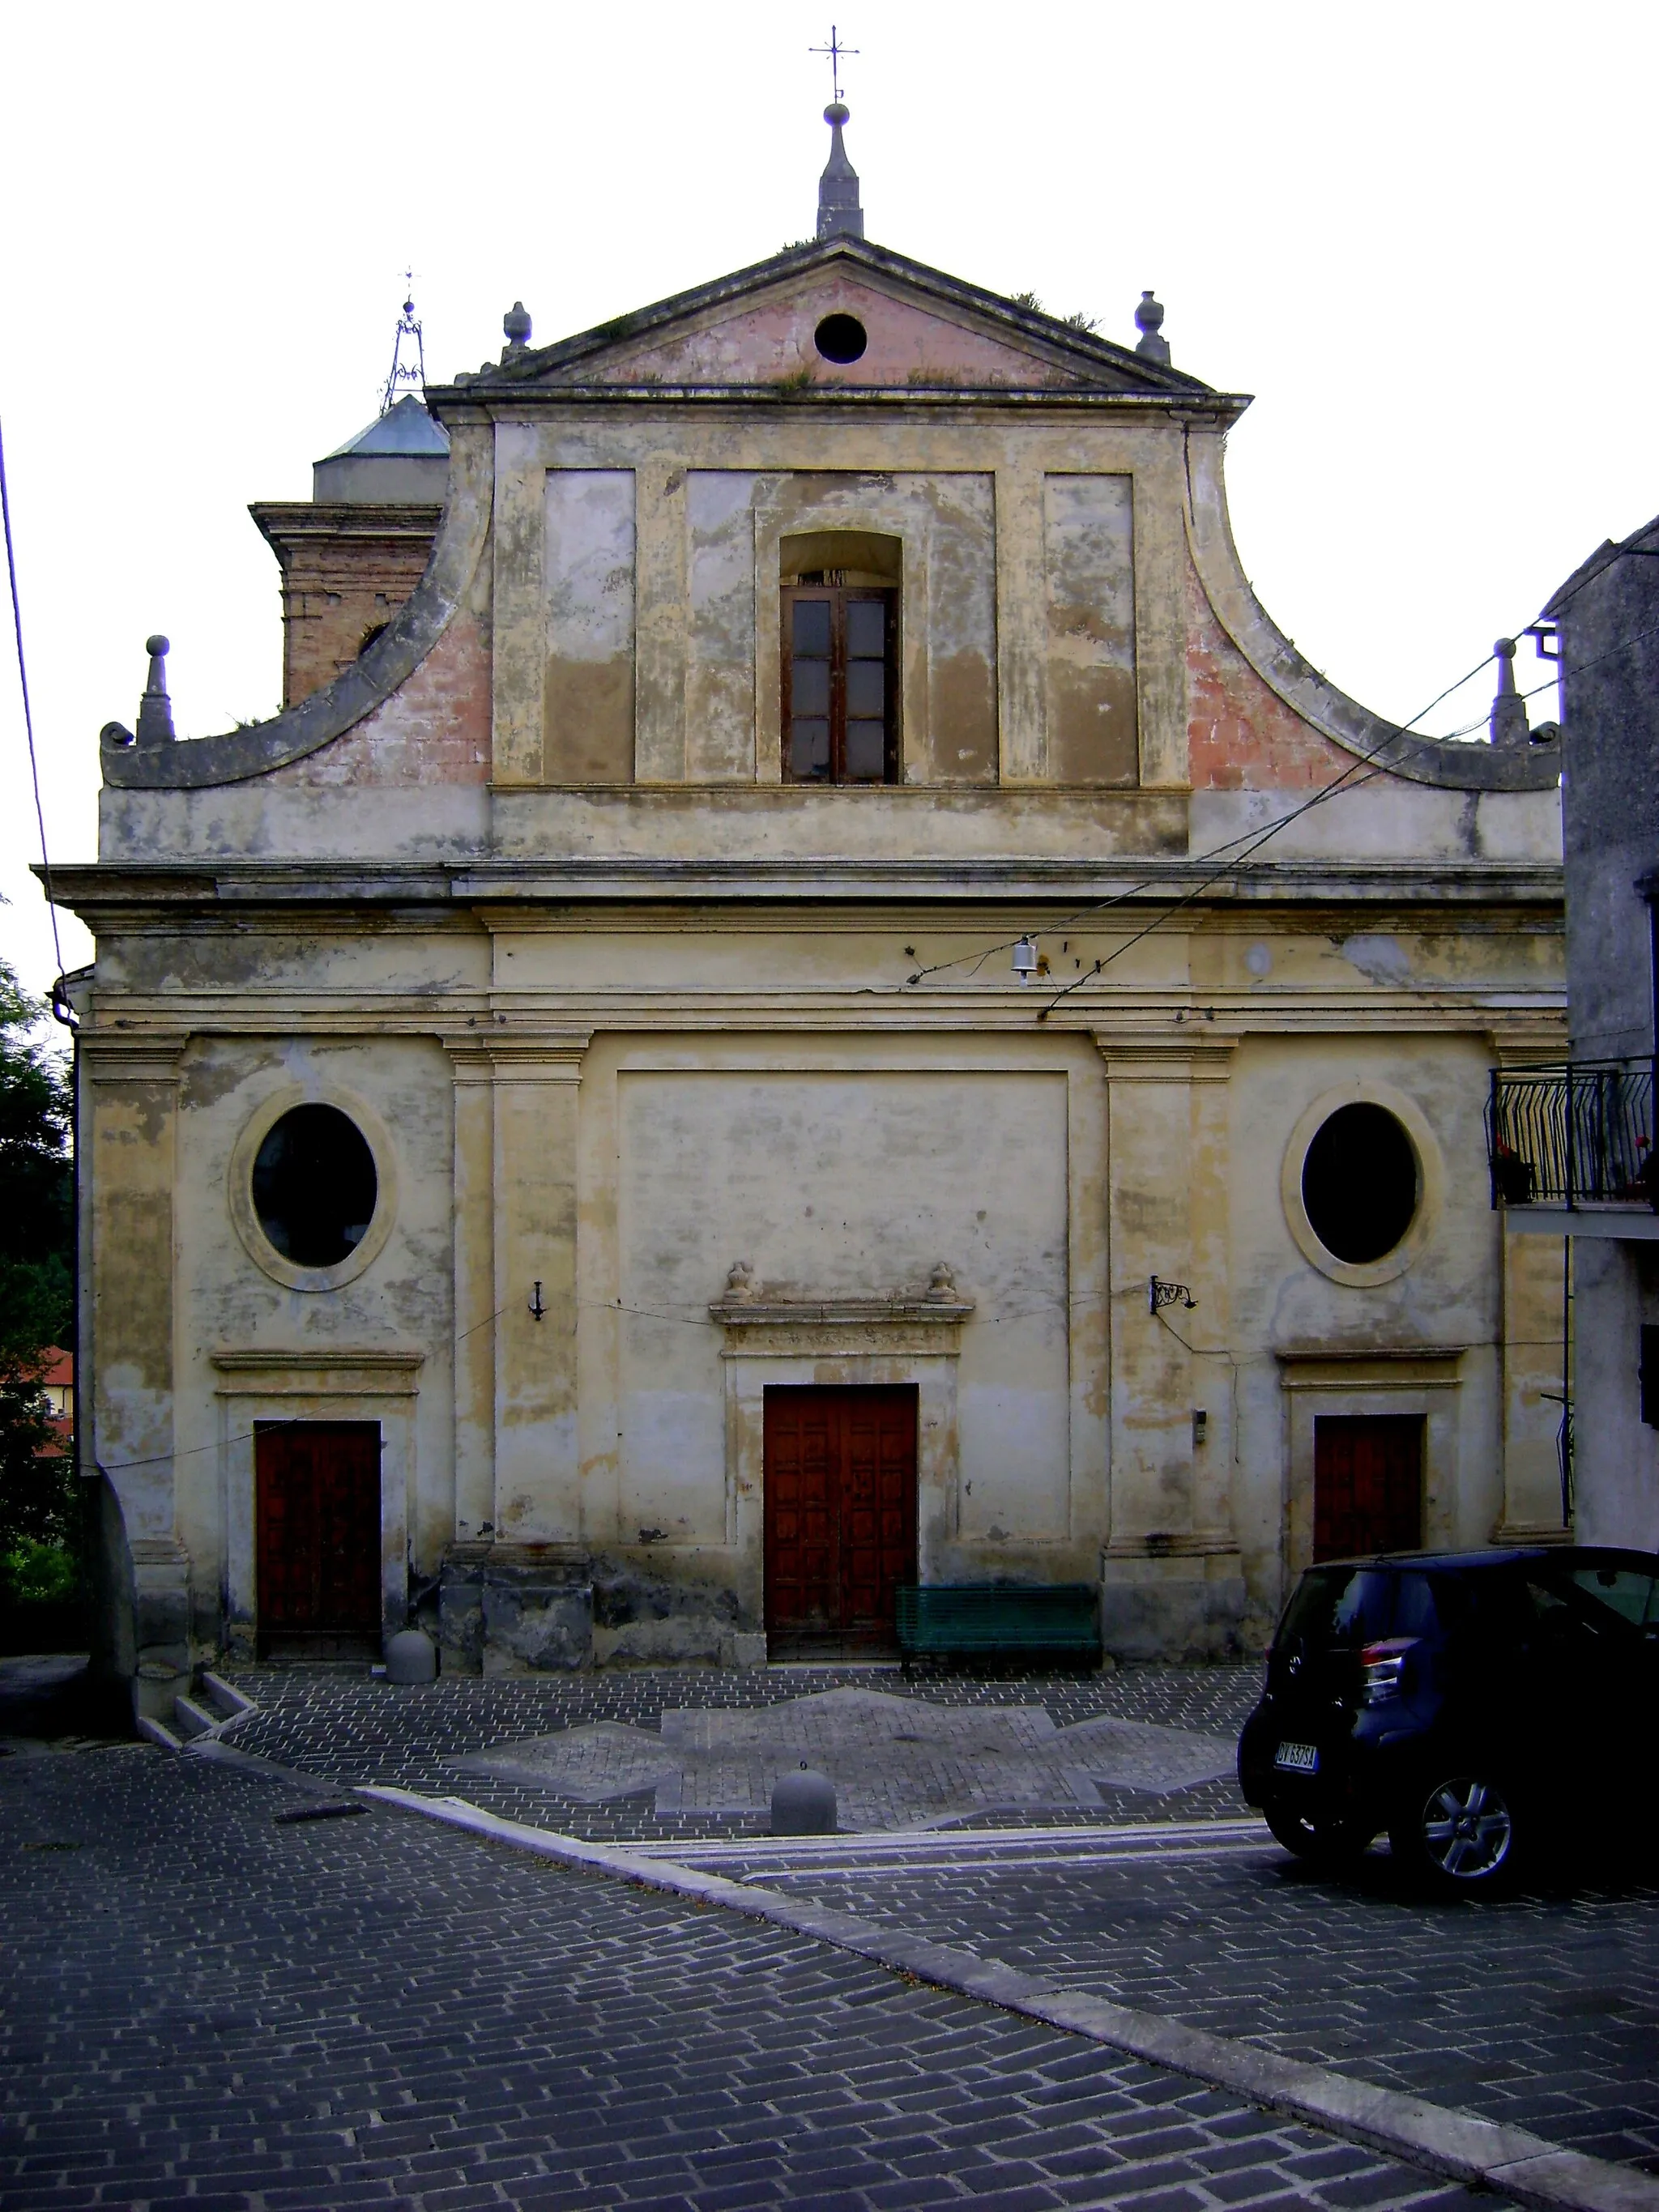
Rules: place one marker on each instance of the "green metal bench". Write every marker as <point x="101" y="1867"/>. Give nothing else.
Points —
<point x="997" y="1620"/>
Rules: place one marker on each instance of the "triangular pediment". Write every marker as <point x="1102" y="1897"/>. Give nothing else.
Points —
<point x="760" y="327"/>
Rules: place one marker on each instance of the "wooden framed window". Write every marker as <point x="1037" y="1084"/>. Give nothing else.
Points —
<point x="840" y="684"/>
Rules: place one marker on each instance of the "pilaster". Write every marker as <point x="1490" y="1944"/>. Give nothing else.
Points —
<point x="518" y="707"/>
<point x="1167" y="1155"/>
<point x="660" y="606"/>
<point x="129" y="1136"/>
<point x="1021" y="625"/>
<point x="534" y="1100"/>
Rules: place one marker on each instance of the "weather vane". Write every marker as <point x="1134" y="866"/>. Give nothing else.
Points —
<point x="833" y="53"/>
<point x="409" y="329"/>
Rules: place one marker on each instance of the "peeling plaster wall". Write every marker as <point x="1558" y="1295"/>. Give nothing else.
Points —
<point x="1089" y="542"/>
<point x="589" y="698"/>
<point x="229" y="1304"/>
<point x="854" y="1184"/>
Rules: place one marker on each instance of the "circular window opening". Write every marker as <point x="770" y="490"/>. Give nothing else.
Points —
<point x="1360" y="1183"/>
<point x="841" y="338"/>
<point x="315" y="1186"/>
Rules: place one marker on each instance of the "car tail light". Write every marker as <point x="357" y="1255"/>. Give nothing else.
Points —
<point x="1385" y="1667"/>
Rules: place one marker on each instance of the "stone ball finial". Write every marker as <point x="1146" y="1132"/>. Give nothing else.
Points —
<point x="515" y="325"/>
<point x="836" y="113"/>
<point x="1149" y="321"/>
<point x="156" y="646"/>
<point x="1504" y="648"/>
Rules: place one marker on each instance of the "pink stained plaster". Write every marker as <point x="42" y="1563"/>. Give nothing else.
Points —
<point x="435" y="728"/>
<point x="1241" y="734"/>
<point x="773" y="339"/>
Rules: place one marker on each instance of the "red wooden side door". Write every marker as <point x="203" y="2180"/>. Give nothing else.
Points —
<point x="840" y="1517"/>
<point x="1367" y="1484"/>
<point x="318" y="1498"/>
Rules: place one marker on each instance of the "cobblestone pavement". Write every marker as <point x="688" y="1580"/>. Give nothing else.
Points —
<point x="896" y="1762"/>
<point x="339" y="1723"/>
<point x="1541" y="2010"/>
<point x="207" y="2009"/>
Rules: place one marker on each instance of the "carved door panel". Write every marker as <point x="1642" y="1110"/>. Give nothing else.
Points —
<point x="1367" y="1484"/>
<point x="318" y="1513"/>
<point x="840" y="1517"/>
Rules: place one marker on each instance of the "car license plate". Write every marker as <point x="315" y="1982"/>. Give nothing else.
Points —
<point x="1297" y="1758"/>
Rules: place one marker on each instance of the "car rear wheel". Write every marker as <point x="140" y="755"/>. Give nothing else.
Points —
<point x="1327" y="1841"/>
<point x="1462" y="1835"/>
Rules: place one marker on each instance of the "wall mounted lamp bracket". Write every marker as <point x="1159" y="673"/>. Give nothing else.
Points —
<point x="1160" y="1294"/>
<point x="536" y="1309"/>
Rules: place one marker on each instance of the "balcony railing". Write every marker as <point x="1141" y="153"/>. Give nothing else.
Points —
<point x="1580" y="1135"/>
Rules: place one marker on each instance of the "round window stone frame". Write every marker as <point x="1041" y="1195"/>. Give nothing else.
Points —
<point x="841" y="325"/>
<point x="257" y="1246"/>
<point x="1430" y="1184"/>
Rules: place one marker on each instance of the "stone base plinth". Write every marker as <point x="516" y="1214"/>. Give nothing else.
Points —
<point x="1172" y="1604"/>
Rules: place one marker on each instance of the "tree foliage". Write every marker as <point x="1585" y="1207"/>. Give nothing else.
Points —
<point x="37" y="1231"/>
<point x="37" y="1189"/>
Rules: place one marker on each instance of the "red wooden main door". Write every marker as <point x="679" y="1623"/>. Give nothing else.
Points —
<point x="318" y="1491"/>
<point x="1367" y="1484"/>
<point x="840" y="1517"/>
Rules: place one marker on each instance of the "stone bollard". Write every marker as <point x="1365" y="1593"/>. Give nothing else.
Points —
<point x="804" y="1803"/>
<point x="410" y="1656"/>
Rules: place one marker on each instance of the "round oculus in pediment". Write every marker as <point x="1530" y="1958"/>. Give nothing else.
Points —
<point x="841" y="338"/>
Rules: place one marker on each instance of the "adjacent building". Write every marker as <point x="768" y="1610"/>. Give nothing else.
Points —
<point x="1573" y="1145"/>
<point x="824" y="999"/>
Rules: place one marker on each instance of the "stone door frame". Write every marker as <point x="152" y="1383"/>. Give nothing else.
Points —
<point x="1416" y="1379"/>
<point x="846" y="1343"/>
<point x="380" y="1385"/>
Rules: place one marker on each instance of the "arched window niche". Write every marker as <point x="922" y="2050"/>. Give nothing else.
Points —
<point x="840" y="591"/>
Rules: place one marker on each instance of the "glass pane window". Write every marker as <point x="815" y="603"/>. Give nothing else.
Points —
<point x="840" y="688"/>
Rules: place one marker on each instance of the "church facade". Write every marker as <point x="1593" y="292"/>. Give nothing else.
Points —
<point x="824" y="1002"/>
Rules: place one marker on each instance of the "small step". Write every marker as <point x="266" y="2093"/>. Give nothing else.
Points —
<point x="154" y="1731"/>
<point x="227" y="1703"/>
<point x="189" y="1720"/>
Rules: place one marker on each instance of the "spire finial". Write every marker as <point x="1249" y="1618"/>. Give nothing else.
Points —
<point x="1507" y="724"/>
<point x="155" y="708"/>
<point x="840" y="214"/>
<point x="1149" y="321"/>
<point x="414" y="371"/>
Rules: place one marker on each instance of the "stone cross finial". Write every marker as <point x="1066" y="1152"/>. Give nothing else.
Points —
<point x="1149" y="321"/>
<point x="1508" y="723"/>
<point x="155" y="708"/>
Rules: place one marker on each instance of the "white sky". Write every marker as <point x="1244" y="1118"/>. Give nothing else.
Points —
<point x="1420" y="234"/>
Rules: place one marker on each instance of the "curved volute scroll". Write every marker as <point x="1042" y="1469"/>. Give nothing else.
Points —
<point x="357" y="690"/>
<point x="1451" y="764"/>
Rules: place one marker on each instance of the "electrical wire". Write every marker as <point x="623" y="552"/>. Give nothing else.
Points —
<point x="1198" y="860"/>
<point x="29" y="713"/>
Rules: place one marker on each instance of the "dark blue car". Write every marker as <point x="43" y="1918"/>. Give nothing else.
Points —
<point x="1481" y="1706"/>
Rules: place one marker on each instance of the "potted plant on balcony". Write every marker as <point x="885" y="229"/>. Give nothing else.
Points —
<point x="1517" y="1179"/>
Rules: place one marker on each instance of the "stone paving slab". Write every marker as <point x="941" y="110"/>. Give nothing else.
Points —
<point x="205" y="2009"/>
<point x="340" y="1724"/>
<point x="1539" y="2011"/>
<point x="896" y="1762"/>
